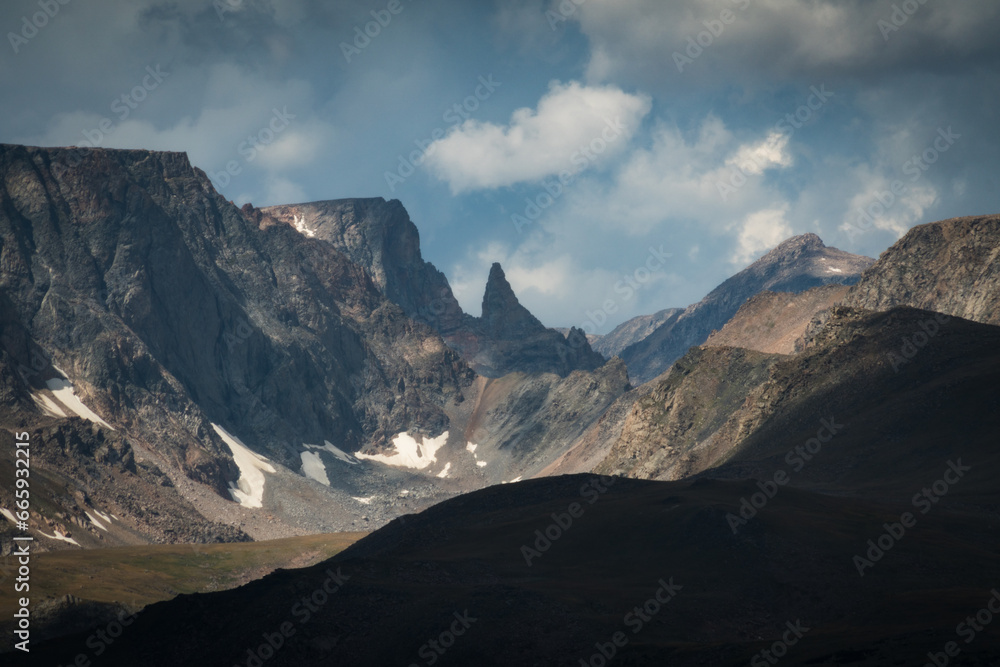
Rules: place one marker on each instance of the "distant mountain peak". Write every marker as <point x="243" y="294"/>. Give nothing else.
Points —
<point x="503" y="315"/>
<point x="794" y="247"/>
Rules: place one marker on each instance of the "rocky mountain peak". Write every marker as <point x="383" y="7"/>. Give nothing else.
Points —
<point x="796" y="265"/>
<point x="793" y="250"/>
<point x="503" y="315"/>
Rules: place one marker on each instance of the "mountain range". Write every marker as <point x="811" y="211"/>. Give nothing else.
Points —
<point x="191" y="371"/>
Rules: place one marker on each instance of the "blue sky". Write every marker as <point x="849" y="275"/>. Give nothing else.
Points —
<point x="574" y="141"/>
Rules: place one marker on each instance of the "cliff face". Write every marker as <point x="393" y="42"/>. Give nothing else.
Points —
<point x="951" y="267"/>
<point x="137" y="278"/>
<point x="140" y="308"/>
<point x="380" y="237"/>
<point x="798" y="264"/>
<point x="507" y="338"/>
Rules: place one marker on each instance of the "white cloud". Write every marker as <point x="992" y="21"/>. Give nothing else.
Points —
<point x="574" y="127"/>
<point x="238" y="105"/>
<point x="755" y="159"/>
<point x="876" y="206"/>
<point x="678" y="177"/>
<point x="759" y="232"/>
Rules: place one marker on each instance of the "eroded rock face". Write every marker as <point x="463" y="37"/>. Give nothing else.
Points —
<point x="166" y="310"/>
<point x="380" y="237"/>
<point x="507" y="338"/>
<point x="798" y="264"/>
<point x="170" y="308"/>
<point x="951" y="267"/>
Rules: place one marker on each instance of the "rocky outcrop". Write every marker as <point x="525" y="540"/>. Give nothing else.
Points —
<point x="951" y="267"/>
<point x="679" y="428"/>
<point x="798" y="264"/>
<point x="380" y="237"/>
<point x="169" y="309"/>
<point x="507" y="338"/>
<point x="161" y="310"/>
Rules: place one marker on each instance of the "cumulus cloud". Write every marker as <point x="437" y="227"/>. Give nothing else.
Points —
<point x="682" y="177"/>
<point x="879" y="206"/>
<point x="759" y="232"/>
<point x="574" y="127"/>
<point x="755" y="159"/>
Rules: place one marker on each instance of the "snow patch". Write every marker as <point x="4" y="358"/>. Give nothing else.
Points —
<point x="48" y="406"/>
<point x="313" y="468"/>
<point x="410" y="453"/>
<point x="9" y="515"/>
<point x="516" y="479"/>
<point x="104" y="516"/>
<point x="444" y="473"/>
<point x="471" y="448"/>
<point x="249" y="489"/>
<point x="300" y="225"/>
<point x="482" y="464"/>
<point x="834" y="269"/>
<point x="60" y="536"/>
<point x="62" y="389"/>
<point x="363" y="501"/>
<point x="93" y="520"/>
<point x="336" y="451"/>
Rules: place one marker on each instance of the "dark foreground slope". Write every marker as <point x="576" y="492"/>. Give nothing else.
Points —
<point x="732" y="594"/>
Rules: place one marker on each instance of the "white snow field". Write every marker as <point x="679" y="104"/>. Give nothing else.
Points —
<point x="409" y="453"/>
<point x="313" y="467"/>
<point x="249" y="489"/>
<point x="65" y="399"/>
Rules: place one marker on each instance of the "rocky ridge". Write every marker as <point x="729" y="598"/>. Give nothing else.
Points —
<point x="796" y="265"/>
